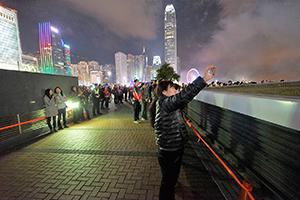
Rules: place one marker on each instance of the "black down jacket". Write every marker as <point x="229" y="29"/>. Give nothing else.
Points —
<point x="169" y="124"/>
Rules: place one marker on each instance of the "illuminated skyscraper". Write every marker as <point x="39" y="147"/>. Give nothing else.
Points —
<point x="121" y="68"/>
<point x="10" y="46"/>
<point x="51" y="49"/>
<point x="171" y="36"/>
<point x="156" y="65"/>
<point x="67" y="60"/>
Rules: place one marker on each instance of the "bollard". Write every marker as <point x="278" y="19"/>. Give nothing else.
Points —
<point x="243" y="193"/>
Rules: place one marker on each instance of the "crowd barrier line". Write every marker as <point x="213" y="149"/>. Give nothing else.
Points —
<point x="220" y="160"/>
<point x="27" y="122"/>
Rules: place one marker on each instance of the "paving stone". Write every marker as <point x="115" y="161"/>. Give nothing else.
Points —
<point x="108" y="157"/>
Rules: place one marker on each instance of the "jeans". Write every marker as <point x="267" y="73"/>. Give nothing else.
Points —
<point x="136" y="109"/>
<point x="62" y="112"/>
<point x="144" y="109"/>
<point x="53" y="122"/>
<point x="170" y="163"/>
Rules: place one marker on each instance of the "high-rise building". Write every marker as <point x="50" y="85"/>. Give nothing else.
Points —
<point x="144" y="54"/>
<point x="148" y="73"/>
<point x="121" y="68"/>
<point x="10" y="45"/>
<point x="156" y="65"/>
<point x="171" y="37"/>
<point x="51" y="49"/>
<point x="67" y="61"/>
<point x="135" y="64"/>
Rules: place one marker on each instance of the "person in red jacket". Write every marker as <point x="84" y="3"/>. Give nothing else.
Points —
<point x="106" y="95"/>
<point x="136" y="101"/>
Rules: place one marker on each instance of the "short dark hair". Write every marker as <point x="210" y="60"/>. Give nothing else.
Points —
<point x="135" y="80"/>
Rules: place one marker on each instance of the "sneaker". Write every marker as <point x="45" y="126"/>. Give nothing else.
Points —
<point x="66" y="126"/>
<point x="136" y="122"/>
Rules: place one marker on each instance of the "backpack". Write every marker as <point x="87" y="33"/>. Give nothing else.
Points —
<point x="131" y="95"/>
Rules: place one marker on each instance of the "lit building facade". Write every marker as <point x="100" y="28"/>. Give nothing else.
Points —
<point x="171" y="37"/>
<point x="67" y="58"/>
<point x="155" y="66"/>
<point x="30" y="63"/>
<point x="10" y="45"/>
<point x="51" y="50"/>
<point x="121" y="68"/>
<point x="148" y="73"/>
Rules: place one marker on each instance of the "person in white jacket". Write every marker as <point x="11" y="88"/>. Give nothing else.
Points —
<point x="51" y="109"/>
<point x="60" y="100"/>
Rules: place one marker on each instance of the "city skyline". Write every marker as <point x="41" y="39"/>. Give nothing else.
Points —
<point x="251" y="39"/>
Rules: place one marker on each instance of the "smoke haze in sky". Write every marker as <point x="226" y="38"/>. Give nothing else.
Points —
<point x="258" y="40"/>
<point x="127" y="18"/>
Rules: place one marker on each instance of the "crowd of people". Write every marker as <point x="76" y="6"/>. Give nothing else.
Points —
<point x="166" y="100"/>
<point x="94" y="99"/>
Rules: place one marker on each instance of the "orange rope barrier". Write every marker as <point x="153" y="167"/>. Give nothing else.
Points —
<point x="226" y="167"/>
<point x="37" y="119"/>
<point x="22" y="123"/>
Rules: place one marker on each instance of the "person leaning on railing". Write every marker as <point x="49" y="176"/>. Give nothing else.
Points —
<point x="169" y="125"/>
<point x="60" y="100"/>
<point x="51" y="109"/>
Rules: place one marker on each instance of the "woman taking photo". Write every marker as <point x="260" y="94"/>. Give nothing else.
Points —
<point x="60" y="100"/>
<point x="169" y="125"/>
<point x="51" y="109"/>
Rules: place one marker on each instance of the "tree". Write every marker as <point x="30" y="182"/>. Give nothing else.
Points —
<point x="167" y="72"/>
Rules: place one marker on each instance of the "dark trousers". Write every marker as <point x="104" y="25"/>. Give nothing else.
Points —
<point x="62" y="112"/>
<point x="53" y="122"/>
<point x="136" y="110"/>
<point x="96" y="106"/>
<point x="87" y="108"/>
<point x="170" y="163"/>
<point x="106" y="100"/>
<point x="125" y="96"/>
<point x="144" y="109"/>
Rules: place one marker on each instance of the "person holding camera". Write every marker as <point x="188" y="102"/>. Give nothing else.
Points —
<point x="170" y="130"/>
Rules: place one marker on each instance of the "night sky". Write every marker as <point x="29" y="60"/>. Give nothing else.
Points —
<point x="250" y="39"/>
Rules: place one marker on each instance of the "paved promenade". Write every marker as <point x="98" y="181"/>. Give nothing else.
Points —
<point x="108" y="157"/>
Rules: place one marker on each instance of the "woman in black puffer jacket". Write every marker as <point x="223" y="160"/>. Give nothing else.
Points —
<point x="171" y="134"/>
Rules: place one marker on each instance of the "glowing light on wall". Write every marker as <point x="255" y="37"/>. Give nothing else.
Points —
<point x="54" y="29"/>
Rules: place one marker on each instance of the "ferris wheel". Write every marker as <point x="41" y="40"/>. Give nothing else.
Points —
<point x="191" y="75"/>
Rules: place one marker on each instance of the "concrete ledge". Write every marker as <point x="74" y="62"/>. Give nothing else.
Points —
<point x="284" y="111"/>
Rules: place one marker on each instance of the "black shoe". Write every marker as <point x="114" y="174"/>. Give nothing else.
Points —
<point x="99" y="113"/>
<point x="94" y="115"/>
<point x="60" y="128"/>
<point x="66" y="126"/>
<point x="55" y="130"/>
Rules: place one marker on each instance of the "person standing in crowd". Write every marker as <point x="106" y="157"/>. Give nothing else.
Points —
<point x="75" y="97"/>
<point x="125" y="90"/>
<point x="136" y="101"/>
<point x="101" y="96"/>
<point x="60" y="100"/>
<point x="145" y="100"/>
<point x="96" y="100"/>
<point x="170" y="129"/>
<point x="106" y="94"/>
<point x="119" y="94"/>
<point x="51" y="110"/>
<point x="86" y="101"/>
